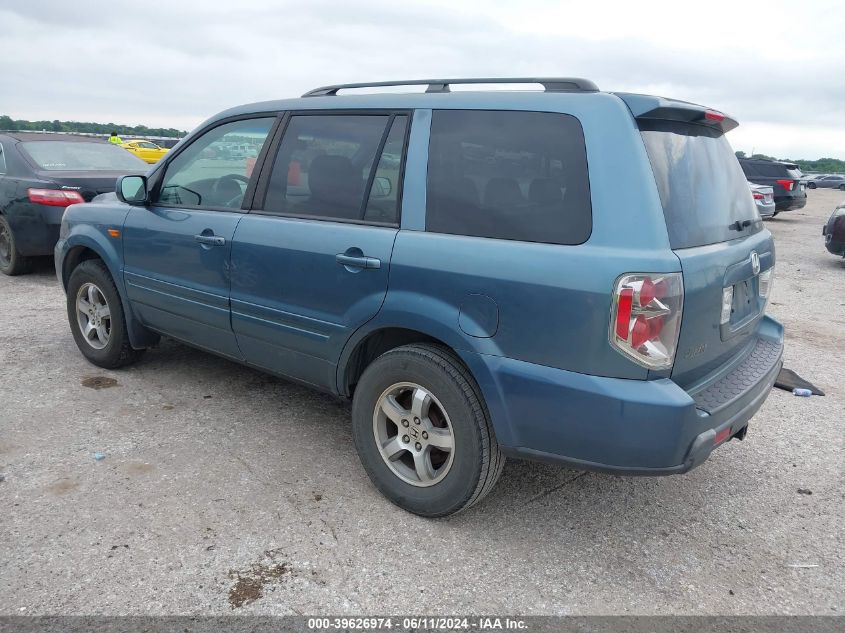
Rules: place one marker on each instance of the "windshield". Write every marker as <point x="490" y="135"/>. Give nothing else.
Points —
<point x="81" y="156"/>
<point x="702" y="187"/>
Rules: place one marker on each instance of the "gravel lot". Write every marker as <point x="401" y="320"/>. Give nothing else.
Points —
<point x="227" y="491"/>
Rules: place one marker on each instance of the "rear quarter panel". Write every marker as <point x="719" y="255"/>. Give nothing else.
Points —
<point x="553" y="301"/>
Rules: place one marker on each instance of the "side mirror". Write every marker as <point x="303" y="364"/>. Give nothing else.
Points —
<point x="382" y="187"/>
<point x="132" y="190"/>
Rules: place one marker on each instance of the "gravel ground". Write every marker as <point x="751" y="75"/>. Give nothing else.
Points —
<point x="224" y="490"/>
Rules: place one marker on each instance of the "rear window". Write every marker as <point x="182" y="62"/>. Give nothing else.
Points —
<point x="508" y="175"/>
<point x="701" y="185"/>
<point x="75" y="156"/>
<point x="771" y="170"/>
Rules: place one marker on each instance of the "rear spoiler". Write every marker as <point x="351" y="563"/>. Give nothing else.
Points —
<point x="662" y="109"/>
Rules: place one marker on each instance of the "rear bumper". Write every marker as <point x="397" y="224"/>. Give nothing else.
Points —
<point x="834" y="246"/>
<point x="790" y="203"/>
<point x="631" y="427"/>
<point x="766" y="210"/>
<point x="36" y="228"/>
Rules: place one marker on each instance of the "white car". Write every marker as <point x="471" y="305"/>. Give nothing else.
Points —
<point x="764" y="198"/>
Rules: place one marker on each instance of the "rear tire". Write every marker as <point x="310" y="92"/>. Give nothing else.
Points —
<point x="96" y="318"/>
<point x="811" y="185"/>
<point x="11" y="261"/>
<point x="440" y="455"/>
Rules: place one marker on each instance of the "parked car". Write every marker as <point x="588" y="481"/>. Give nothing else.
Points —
<point x="834" y="231"/>
<point x="836" y="181"/>
<point x="145" y="150"/>
<point x="806" y="179"/>
<point x="764" y="199"/>
<point x="471" y="309"/>
<point x="40" y="175"/>
<point x="783" y="178"/>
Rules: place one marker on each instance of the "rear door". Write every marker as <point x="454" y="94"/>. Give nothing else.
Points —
<point x="176" y="251"/>
<point x="717" y="234"/>
<point x="310" y="264"/>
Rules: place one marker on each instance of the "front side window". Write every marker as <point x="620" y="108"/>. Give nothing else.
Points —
<point x="325" y="168"/>
<point x="508" y="175"/>
<point x="81" y="156"/>
<point x="215" y="170"/>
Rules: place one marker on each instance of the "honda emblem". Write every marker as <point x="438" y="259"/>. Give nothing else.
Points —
<point x="755" y="263"/>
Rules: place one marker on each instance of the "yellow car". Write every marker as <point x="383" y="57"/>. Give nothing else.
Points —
<point x="146" y="151"/>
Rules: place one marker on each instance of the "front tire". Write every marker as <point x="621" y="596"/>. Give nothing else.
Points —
<point x="423" y="432"/>
<point x="841" y="187"/>
<point x="811" y="185"/>
<point x="11" y="261"/>
<point x="96" y="318"/>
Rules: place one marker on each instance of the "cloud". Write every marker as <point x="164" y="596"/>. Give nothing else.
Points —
<point x="769" y="64"/>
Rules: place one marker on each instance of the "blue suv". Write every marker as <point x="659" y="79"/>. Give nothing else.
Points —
<point x="567" y="275"/>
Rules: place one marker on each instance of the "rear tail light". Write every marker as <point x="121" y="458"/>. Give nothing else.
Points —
<point x="646" y="317"/>
<point x="727" y="304"/>
<point x="54" y="197"/>
<point x="757" y="196"/>
<point x="766" y="279"/>
<point x="786" y="184"/>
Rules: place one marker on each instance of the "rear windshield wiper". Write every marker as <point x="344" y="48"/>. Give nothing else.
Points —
<point x="740" y="224"/>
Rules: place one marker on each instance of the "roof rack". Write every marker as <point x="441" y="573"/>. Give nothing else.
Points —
<point x="551" y="84"/>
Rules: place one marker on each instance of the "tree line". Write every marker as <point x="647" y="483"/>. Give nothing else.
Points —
<point x="22" y="125"/>
<point x="821" y="165"/>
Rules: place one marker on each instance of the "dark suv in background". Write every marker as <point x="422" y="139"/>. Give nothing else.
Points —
<point x="784" y="178"/>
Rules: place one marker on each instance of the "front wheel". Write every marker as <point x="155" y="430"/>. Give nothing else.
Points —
<point x="841" y="187"/>
<point x="96" y="317"/>
<point x="423" y="433"/>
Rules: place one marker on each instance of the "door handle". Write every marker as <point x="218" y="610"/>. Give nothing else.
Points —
<point x="210" y="240"/>
<point x="358" y="261"/>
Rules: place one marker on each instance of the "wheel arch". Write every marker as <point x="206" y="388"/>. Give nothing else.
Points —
<point x="85" y="246"/>
<point x="377" y="338"/>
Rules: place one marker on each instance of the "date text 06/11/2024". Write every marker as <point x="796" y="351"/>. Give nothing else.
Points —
<point x="416" y="623"/>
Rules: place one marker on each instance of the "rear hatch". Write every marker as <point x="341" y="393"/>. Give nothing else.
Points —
<point x="718" y="236"/>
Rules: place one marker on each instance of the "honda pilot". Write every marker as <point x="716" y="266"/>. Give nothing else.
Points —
<point x="563" y="274"/>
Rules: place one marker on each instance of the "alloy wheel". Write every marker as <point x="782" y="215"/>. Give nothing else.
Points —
<point x="93" y="316"/>
<point x="413" y="434"/>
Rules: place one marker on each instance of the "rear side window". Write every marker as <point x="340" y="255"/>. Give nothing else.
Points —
<point x="2" y="160"/>
<point x="329" y="165"/>
<point x="508" y="175"/>
<point x="701" y="185"/>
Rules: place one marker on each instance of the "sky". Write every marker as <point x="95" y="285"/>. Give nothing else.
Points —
<point x="777" y="67"/>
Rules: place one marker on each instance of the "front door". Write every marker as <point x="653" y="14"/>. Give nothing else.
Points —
<point x="311" y="264"/>
<point x="177" y="250"/>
